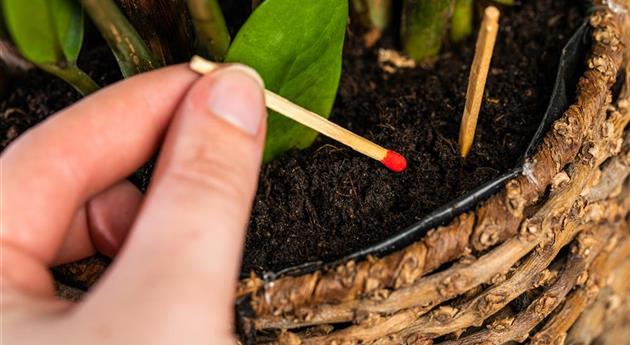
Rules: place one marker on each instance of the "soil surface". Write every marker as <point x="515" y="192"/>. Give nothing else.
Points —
<point x="328" y="201"/>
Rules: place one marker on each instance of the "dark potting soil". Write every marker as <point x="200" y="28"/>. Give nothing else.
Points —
<point x="328" y="201"/>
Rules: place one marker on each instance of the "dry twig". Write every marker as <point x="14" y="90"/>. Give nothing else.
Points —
<point x="588" y="244"/>
<point x="608" y="306"/>
<point x="556" y="328"/>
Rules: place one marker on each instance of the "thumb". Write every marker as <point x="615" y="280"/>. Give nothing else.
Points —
<point x="183" y="254"/>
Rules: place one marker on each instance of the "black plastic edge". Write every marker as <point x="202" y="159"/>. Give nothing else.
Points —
<point x="573" y="56"/>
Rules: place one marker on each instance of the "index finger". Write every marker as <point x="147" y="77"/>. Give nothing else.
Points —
<point x="53" y="168"/>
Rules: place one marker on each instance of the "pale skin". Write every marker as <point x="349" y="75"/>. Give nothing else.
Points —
<point x="177" y="249"/>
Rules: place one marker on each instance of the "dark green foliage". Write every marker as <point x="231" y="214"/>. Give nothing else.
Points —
<point x="296" y="47"/>
<point x="49" y="33"/>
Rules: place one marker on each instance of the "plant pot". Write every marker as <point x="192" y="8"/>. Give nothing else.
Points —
<point x="520" y="258"/>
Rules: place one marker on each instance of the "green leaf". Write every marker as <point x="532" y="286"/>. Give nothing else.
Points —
<point x="68" y="18"/>
<point x="49" y="33"/>
<point x="296" y="47"/>
<point x="45" y="31"/>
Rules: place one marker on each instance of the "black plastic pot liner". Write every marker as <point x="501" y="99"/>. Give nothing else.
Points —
<point x="570" y="68"/>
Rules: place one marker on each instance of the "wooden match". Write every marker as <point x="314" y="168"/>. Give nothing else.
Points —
<point x="389" y="158"/>
<point x="477" y="79"/>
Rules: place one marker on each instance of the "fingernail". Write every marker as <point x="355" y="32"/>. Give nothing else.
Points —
<point x="237" y="97"/>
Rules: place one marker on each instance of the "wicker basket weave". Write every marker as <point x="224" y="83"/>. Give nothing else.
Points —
<point x="546" y="260"/>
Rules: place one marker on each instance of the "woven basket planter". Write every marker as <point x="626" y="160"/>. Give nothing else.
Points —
<point x="545" y="260"/>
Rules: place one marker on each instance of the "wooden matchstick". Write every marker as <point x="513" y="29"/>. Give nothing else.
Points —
<point x="477" y="79"/>
<point x="389" y="158"/>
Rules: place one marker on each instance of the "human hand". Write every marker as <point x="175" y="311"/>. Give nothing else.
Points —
<point x="64" y="197"/>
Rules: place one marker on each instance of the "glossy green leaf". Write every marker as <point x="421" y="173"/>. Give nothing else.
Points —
<point x="296" y="47"/>
<point x="68" y="19"/>
<point x="49" y="33"/>
<point x="45" y="31"/>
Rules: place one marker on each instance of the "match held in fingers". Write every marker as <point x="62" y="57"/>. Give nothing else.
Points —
<point x="477" y="79"/>
<point x="389" y="158"/>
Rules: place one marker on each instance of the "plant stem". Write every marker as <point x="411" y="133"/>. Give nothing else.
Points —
<point x="462" y="20"/>
<point x="11" y="59"/>
<point x="424" y="24"/>
<point x="130" y="50"/>
<point x="164" y="25"/>
<point x="212" y="32"/>
<point x="74" y="76"/>
<point x="373" y="13"/>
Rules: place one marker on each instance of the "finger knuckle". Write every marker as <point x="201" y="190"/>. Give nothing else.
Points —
<point x="210" y="172"/>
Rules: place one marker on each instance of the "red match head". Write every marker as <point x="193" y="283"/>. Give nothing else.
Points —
<point x="394" y="161"/>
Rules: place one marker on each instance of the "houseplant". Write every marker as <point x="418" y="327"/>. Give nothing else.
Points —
<point x="496" y="222"/>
